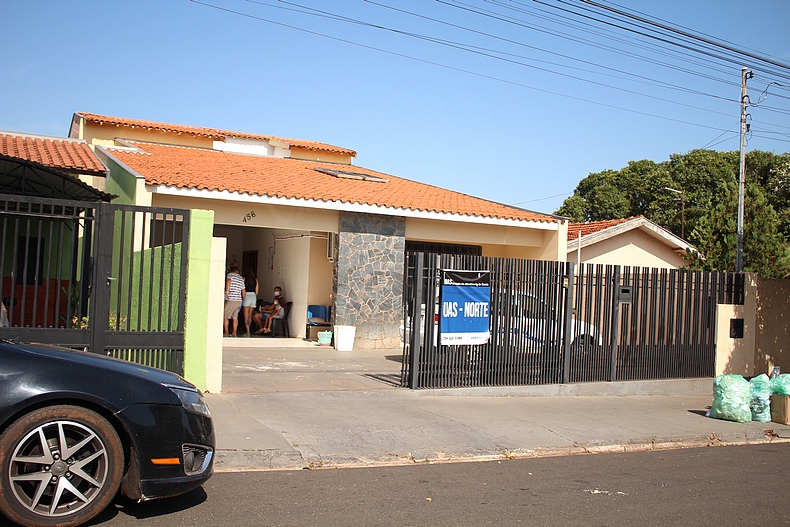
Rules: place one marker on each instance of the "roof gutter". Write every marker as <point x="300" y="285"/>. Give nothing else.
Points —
<point x="351" y="207"/>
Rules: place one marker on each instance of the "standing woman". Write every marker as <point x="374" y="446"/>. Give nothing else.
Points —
<point x="250" y="299"/>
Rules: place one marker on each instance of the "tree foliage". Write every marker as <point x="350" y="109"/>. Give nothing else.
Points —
<point x="708" y="180"/>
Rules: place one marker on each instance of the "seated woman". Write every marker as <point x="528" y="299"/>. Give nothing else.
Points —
<point x="264" y="309"/>
<point x="278" y="312"/>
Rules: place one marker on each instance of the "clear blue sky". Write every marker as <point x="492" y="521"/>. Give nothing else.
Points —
<point x="490" y="127"/>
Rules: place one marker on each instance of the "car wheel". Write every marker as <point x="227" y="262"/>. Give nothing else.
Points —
<point x="61" y="465"/>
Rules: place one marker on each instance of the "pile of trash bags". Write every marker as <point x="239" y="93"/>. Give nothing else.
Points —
<point x="736" y="399"/>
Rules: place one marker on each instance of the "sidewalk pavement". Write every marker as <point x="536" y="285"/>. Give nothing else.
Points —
<point x="298" y="405"/>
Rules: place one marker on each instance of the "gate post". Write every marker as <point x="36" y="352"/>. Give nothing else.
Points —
<point x="414" y="328"/>
<point x="204" y="303"/>
<point x="615" y="322"/>
<point x="101" y="278"/>
<point x="568" y="284"/>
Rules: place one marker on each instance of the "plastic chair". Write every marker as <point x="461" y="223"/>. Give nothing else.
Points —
<point x="317" y="317"/>
<point x="282" y="323"/>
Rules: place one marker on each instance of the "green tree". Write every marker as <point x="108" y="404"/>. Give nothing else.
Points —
<point x="716" y="236"/>
<point x="707" y="179"/>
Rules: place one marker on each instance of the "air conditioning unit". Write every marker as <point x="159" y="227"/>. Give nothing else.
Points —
<point x="331" y="243"/>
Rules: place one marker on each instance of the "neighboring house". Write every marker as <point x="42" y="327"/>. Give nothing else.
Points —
<point x="34" y="246"/>
<point x="302" y="215"/>
<point x="636" y="242"/>
<point x="46" y="166"/>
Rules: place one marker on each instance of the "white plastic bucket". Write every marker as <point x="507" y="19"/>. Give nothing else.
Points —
<point x="344" y="338"/>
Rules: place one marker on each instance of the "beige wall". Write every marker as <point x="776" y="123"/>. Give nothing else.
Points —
<point x="235" y="244"/>
<point x="320" y="286"/>
<point x="97" y="182"/>
<point x="312" y="155"/>
<point x="496" y="240"/>
<point x="232" y="212"/>
<point x="105" y="134"/>
<point x="773" y="326"/>
<point x="737" y="355"/>
<point x="634" y="248"/>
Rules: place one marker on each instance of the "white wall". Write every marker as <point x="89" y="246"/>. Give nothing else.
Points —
<point x="292" y="273"/>
<point x="216" y="310"/>
<point x="245" y="146"/>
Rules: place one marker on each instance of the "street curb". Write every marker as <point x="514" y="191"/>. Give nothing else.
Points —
<point x="276" y="460"/>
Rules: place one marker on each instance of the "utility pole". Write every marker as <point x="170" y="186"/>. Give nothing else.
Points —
<point x="682" y="211"/>
<point x="745" y="74"/>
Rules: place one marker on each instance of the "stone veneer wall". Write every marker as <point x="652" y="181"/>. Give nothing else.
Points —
<point x="368" y="278"/>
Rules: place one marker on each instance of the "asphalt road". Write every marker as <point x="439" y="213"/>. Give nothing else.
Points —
<point x="743" y="485"/>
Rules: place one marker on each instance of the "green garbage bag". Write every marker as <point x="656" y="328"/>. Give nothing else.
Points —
<point x="760" y="402"/>
<point x="731" y="398"/>
<point x="781" y="384"/>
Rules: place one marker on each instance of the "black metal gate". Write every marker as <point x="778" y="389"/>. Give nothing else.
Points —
<point x="551" y="324"/>
<point x="109" y="279"/>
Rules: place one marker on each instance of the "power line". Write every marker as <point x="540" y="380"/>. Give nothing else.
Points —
<point x="452" y="68"/>
<point x="529" y="62"/>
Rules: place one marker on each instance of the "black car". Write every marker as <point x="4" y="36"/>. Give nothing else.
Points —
<point x="77" y="427"/>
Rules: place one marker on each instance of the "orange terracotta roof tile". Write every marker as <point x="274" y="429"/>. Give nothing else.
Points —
<point x="212" y="133"/>
<point x="591" y="227"/>
<point x="66" y="154"/>
<point x="206" y="169"/>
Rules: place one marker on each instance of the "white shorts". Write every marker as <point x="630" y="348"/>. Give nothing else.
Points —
<point x="249" y="300"/>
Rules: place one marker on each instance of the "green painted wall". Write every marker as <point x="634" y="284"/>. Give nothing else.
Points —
<point x="152" y="279"/>
<point x="119" y="181"/>
<point x="201" y="230"/>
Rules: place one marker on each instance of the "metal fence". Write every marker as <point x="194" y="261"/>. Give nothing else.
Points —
<point x="110" y="279"/>
<point x="551" y="323"/>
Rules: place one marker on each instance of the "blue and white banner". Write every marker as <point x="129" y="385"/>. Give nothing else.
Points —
<point x="465" y="298"/>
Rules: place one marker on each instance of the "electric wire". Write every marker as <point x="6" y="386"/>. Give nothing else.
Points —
<point x="453" y="68"/>
<point x="501" y="55"/>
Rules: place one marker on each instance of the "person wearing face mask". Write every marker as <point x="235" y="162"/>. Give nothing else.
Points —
<point x="260" y="315"/>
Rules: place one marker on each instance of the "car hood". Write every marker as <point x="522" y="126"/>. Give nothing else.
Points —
<point x="91" y="360"/>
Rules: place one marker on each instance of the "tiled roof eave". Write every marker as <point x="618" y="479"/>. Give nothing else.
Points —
<point x="638" y="222"/>
<point x="352" y="207"/>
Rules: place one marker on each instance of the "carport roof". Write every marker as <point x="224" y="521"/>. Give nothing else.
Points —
<point x="41" y="166"/>
<point x="70" y="155"/>
<point x="214" y="170"/>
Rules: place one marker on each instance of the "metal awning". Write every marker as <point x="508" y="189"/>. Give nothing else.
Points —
<point x="28" y="178"/>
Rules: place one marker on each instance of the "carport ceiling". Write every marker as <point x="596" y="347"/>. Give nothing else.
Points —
<point x="28" y="178"/>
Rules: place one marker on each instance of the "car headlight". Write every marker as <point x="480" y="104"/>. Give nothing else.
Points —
<point x="192" y="400"/>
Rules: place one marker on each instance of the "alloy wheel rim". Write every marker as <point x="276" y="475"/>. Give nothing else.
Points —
<point x="58" y="468"/>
